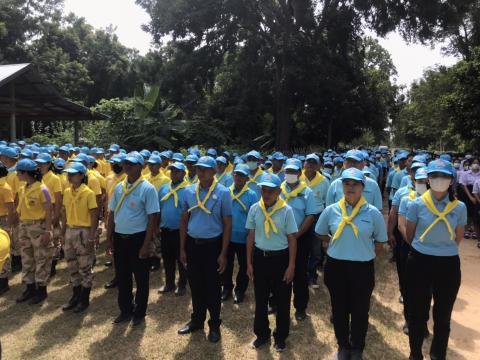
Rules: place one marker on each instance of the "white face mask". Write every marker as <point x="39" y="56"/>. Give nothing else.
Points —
<point x="440" y="184"/>
<point x="291" y="178"/>
<point x="328" y="170"/>
<point x="252" y="165"/>
<point x="475" y="167"/>
<point x="421" y="188"/>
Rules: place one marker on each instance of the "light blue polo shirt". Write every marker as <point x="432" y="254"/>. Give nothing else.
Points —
<point x="437" y="242"/>
<point x="371" y="228"/>
<point x="239" y="216"/>
<point x="302" y="205"/>
<point x="169" y="214"/>
<point x="388" y="183"/>
<point x="200" y="224"/>
<point x="320" y="194"/>
<point x="283" y="219"/>
<point x="226" y="180"/>
<point x="397" y="179"/>
<point x="254" y="185"/>
<point x="132" y="217"/>
<point x="400" y="194"/>
<point x="371" y="192"/>
<point x="280" y="174"/>
<point x="374" y="170"/>
<point x="404" y="203"/>
<point x="406" y="180"/>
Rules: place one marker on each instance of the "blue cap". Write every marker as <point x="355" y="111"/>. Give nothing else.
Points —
<point x="59" y="163"/>
<point x="27" y="153"/>
<point x="76" y="168"/>
<point x="178" y="157"/>
<point x="21" y="142"/>
<point x="366" y="170"/>
<point x="338" y="160"/>
<point x="114" y="148"/>
<point x="419" y="158"/>
<point x="43" y="158"/>
<point x="81" y="158"/>
<point x="328" y="163"/>
<point x="353" y="174"/>
<point x="135" y="158"/>
<point x="177" y="165"/>
<point x="269" y="180"/>
<point x="402" y="155"/>
<point x="206" y="162"/>
<point x="9" y="152"/>
<point x="226" y="154"/>
<point x="277" y="155"/>
<point x="165" y="154"/>
<point x="145" y="153"/>
<point x="26" y="165"/>
<point x="191" y="158"/>
<point x="91" y="159"/>
<point x="85" y="150"/>
<point x="446" y="157"/>
<point x="242" y="169"/>
<point x="64" y="148"/>
<point x="356" y="155"/>
<point x="99" y="151"/>
<point x="117" y="159"/>
<point x="221" y="159"/>
<point x="441" y="166"/>
<point x="293" y="164"/>
<point x="417" y="165"/>
<point x="254" y="154"/>
<point x="421" y="173"/>
<point x="212" y="152"/>
<point x="155" y="159"/>
<point x="313" y="157"/>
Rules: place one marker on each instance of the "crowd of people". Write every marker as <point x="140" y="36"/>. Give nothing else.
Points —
<point x="282" y="219"/>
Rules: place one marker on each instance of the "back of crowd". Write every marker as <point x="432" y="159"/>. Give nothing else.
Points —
<point x="280" y="219"/>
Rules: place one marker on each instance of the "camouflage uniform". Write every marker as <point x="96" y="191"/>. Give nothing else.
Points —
<point x="79" y="259"/>
<point x="15" y="243"/>
<point x="57" y="233"/>
<point x="36" y="257"/>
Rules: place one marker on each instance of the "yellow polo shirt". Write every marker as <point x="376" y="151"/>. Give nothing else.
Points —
<point x="94" y="183"/>
<point x="53" y="183"/>
<point x="12" y="180"/>
<point x="112" y="181"/>
<point x="6" y="196"/>
<point x="31" y="201"/>
<point x="78" y="203"/>
<point x="157" y="180"/>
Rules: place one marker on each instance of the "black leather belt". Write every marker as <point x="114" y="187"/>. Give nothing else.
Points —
<point x="268" y="253"/>
<point x="203" y="241"/>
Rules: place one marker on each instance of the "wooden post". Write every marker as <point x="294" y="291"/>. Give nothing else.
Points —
<point x="13" y="115"/>
<point x="75" y="132"/>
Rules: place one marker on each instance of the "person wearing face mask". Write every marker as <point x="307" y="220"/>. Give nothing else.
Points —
<point x="435" y="227"/>
<point x="327" y="169"/>
<point x="278" y="160"/>
<point x="301" y="199"/>
<point x="476" y="213"/>
<point x="371" y="191"/>
<point x="338" y="169"/>
<point x="355" y="232"/>
<point x="467" y="181"/>
<point x="402" y="162"/>
<point x="418" y="161"/>
<point x="253" y="159"/>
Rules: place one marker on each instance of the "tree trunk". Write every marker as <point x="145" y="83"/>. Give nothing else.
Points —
<point x="282" y="109"/>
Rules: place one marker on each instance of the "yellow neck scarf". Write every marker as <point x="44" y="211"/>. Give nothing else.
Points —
<point x="23" y="193"/>
<point x="412" y="195"/>
<point x="75" y="195"/>
<point x="126" y="191"/>
<point x="237" y="197"/>
<point x="201" y="203"/>
<point x="253" y="180"/>
<point x="268" y="215"/>
<point x="347" y="220"/>
<point x="221" y="176"/>
<point x="294" y="193"/>
<point x="441" y="216"/>
<point x="319" y="178"/>
<point x="193" y="180"/>
<point x="173" y="191"/>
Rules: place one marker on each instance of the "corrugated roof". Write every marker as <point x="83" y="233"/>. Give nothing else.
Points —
<point x="35" y="99"/>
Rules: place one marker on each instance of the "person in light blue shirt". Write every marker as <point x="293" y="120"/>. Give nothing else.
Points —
<point x="223" y="176"/>
<point x="398" y="175"/>
<point x="271" y="253"/>
<point x="253" y="160"/>
<point x="355" y="232"/>
<point x="435" y="227"/>
<point x="170" y="197"/>
<point x="278" y="160"/>
<point x="205" y="231"/>
<point x="371" y="191"/>
<point x="242" y="200"/>
<point x="131" y="224"/>
<point x="407" y="179"/>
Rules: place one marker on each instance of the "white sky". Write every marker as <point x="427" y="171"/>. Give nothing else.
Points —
<point x="410" y="59"/>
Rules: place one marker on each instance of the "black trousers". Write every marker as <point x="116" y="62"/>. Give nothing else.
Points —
<point x="400" y="253"/>
<point x="204" y="280"/>
<point x="427" y="276"/>
<point x="241" y="282"/>
<point x="350" y="284"/>
<point x="300" y="281"/>
<point x="127" y="263"/>
<point x="268" y="272"/>
<point x="170" y="246"/>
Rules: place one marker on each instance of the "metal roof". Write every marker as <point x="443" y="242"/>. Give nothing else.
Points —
<point x="35" y="99"/>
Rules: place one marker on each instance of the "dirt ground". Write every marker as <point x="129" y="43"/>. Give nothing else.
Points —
<point x="45" y="332"/>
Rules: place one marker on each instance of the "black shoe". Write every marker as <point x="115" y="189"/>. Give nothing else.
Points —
<point x="300" y="315"/>
<point x="259" y="342"/>
<point x="238" y="298"/>
<point x="16" y="264"/>
<point x="122" y="318"/>
<point x="111" y="284"/>
<point x="154" y="264"/>
<point x="214" y="335"/>
<point x="342" y="354"/>
<point x="189" y="328"/>
<point x="356" y="355"/>
<point x="180" y="291"/>
<point x="137" y="320"/>
<point x="4" y="286"/>
<point x="53" y="268"/>
<point x="40" y="295"/>
<point x="84" y="301"/>
<point x="61" y="254"/>
<point x="279" y="345"/>
<point x="166" y="289"/>
<point x="27" y="294"/>
<point x="108" y="263"/>
<point x="405" y="329"/>
<point x="73" y="302"/>
<point x="226" y="294"/>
